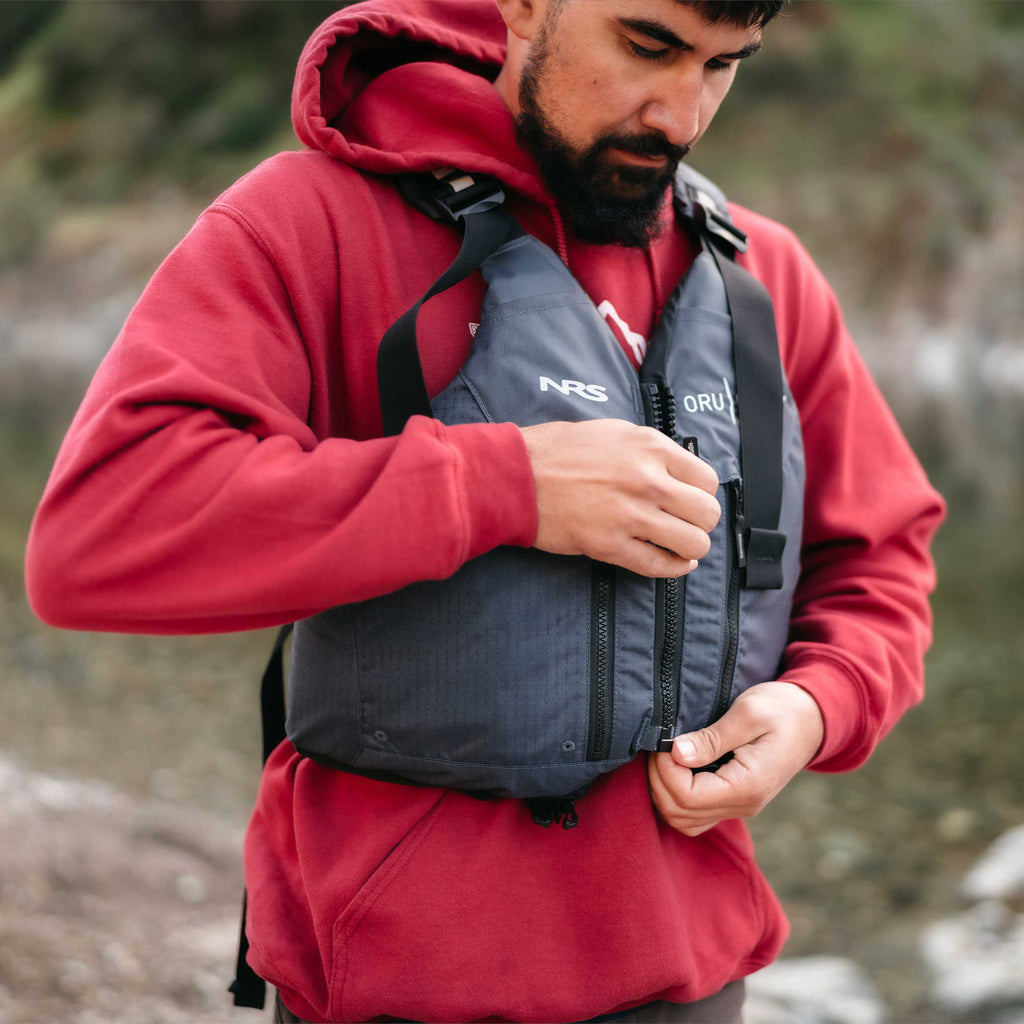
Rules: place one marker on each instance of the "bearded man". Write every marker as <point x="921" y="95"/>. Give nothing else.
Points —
<point x="229" y="470"/>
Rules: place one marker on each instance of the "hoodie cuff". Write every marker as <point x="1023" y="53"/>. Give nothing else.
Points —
<point x="838" y="694"/>
<point x="495" y="484"/>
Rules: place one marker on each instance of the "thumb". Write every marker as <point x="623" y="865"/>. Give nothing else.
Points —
<point x="693" y="749"/>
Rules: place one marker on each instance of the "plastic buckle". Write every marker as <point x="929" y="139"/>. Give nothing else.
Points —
<point x="717" y="222"/>
<point x="461" y="195"/>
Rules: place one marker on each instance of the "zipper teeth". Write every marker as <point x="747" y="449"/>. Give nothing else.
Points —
<point x="669" y="639"/>
<point x="597" y="748"/>
<point x="731" y="644"/>
<point x="669" y="400"/>
<point x="601" y="702"/>
<point x="654" y="392"/>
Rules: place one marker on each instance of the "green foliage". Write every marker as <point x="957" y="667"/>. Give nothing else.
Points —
<point x="872" y="126"/>
<point x="102" y="100"/>
<point x="19" y="21"/>
<point x="890" y="128"/>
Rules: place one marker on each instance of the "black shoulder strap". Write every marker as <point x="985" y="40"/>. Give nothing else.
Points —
<point x="759" y="398"/>
<point x="759" y="388"/>
<point x="248" y="988"/>
<point x="477" y="201"/>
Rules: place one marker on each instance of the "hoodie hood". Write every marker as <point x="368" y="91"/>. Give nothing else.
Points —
<point x="396" y="86"/>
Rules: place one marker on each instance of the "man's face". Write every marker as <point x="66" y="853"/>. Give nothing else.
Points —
<point x="612" y="96"/>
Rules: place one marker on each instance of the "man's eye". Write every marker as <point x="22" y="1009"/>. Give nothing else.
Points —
<point x="645" y="54"/>
<point x="718" y="65"/>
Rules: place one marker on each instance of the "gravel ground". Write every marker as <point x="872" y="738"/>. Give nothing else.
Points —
<point x="113" y="910"/>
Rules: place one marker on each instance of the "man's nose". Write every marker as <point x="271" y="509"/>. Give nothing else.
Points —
<point x="675" y="112"/>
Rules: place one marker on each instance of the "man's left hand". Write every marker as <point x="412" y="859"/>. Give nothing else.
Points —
<point x="773" y="730"/>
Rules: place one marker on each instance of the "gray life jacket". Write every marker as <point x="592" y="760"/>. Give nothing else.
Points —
<point x="528" y="674"/>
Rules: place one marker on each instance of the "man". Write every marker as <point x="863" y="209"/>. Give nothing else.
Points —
<point x="227" y="471"/>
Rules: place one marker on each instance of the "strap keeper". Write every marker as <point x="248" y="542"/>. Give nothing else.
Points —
<point x="764" y="559"/>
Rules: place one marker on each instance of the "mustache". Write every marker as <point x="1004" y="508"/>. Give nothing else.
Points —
<point x="641" y="145"/>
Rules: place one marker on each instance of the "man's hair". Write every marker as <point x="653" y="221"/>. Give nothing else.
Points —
<point x="746" y="13"/>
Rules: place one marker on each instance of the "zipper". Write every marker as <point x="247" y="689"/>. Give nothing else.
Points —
<point x="669" y="594"/>
<point x="736" y="560"/>
<point x="602" y="646"/>
<point x="669" y="597"/>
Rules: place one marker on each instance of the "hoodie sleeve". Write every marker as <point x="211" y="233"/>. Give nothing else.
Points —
<point x="191" y="495"/>
<point x="861" y="619"/>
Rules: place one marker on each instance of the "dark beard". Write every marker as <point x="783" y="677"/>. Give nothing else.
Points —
<point x="607" y="204"/>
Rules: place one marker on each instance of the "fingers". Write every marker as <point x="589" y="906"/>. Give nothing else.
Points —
<point x="690" y="803"/>
<point x="622" y="494"/>
<point x="688" y="469"/>
<point x="739" y="726"/>
<point x="773" y="729"/>
<point x="648" y="560"/>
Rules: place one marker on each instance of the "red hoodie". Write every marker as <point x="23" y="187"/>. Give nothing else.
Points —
<point x="226" y="472"/>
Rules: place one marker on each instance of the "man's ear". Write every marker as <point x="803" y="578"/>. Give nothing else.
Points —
<point x="523" y="18"/>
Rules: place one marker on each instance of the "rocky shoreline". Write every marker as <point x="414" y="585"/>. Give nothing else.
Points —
<point x="118" y="910"/>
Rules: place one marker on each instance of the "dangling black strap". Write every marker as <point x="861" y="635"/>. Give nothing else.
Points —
<point x="759" y="397"/>
<point x="249" y="988"/>
<point x="488" y="225"/>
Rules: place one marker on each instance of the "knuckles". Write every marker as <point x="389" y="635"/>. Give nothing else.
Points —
<point x="710" y="511"/>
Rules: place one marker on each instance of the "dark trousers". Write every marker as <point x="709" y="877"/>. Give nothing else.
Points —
<point x="725" y="1007"/>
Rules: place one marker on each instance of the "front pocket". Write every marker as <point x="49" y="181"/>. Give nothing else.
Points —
<point x="372" y="889"/>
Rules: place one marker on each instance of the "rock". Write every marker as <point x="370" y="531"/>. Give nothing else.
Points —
<point x="999" y="873"/>
<point x="974" y="961"/>
<point x="75" y="977"/>
<point x="957" y="825"/>
<point x="191" y="888"/>
<point x="812" y="990"/>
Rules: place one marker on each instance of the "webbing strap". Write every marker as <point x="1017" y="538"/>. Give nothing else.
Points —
<point x="759" y="397"/>
<point x="400" y="384"/>
<point x="248" y="988"/>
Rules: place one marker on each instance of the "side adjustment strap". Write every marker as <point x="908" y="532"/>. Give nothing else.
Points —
<point x="759" y="396"/>
<point x="248" y="988"/>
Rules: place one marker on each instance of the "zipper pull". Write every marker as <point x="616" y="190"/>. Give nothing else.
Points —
<point x="739" y="525"/>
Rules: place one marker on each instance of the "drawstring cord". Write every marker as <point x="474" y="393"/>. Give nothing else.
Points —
<point x="563" y="249"/>
<point x="659" y="295"/>
<point x="546" y="810"/>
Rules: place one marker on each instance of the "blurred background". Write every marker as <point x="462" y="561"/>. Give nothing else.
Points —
<point x="890" y="136"/>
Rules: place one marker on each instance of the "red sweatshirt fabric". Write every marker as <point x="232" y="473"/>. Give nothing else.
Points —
<point x="226" y="472"/>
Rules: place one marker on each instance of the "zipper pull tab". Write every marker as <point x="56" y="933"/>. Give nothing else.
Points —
<point x="739" y="525"/>
<point x="665" y="740"/>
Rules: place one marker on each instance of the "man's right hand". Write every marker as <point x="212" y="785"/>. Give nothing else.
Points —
<point x="622" y="494"/>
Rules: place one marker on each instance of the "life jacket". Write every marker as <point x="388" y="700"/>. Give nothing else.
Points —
<point x="528" y="674"/>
